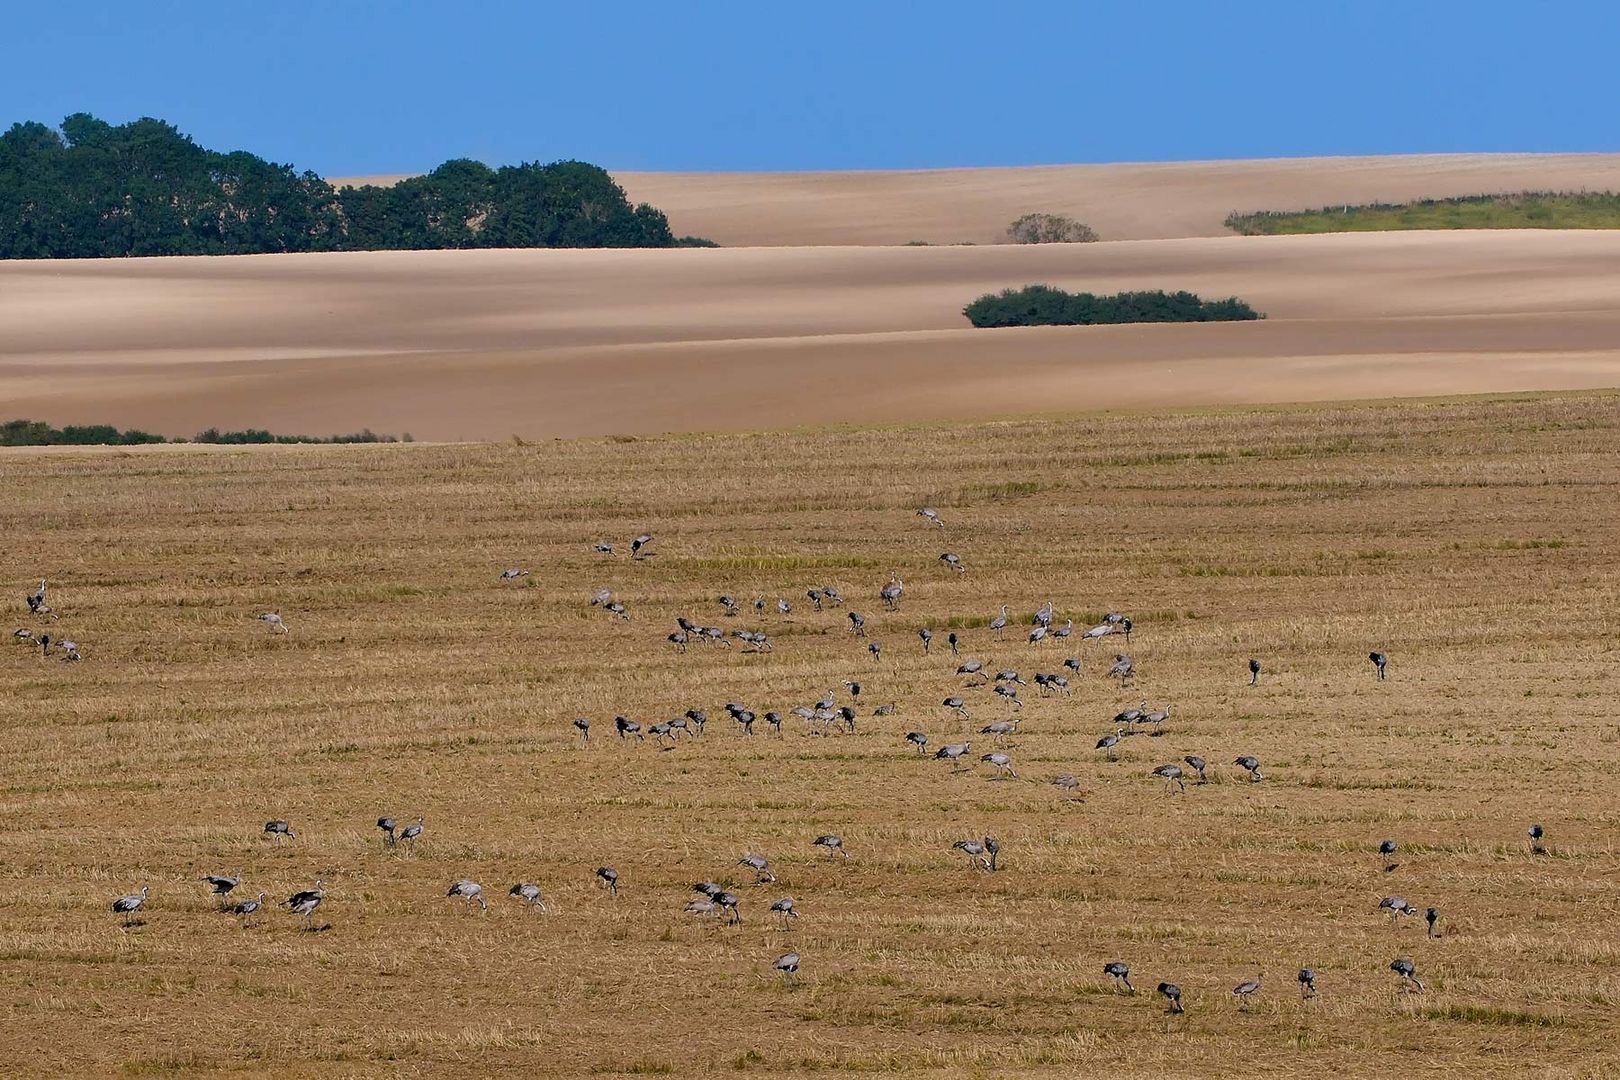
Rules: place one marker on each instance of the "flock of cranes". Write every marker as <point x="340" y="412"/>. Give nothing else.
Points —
<point x="826" y="716"/>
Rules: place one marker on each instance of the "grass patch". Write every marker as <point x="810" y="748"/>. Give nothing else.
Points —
<point x="1521" y="210"/>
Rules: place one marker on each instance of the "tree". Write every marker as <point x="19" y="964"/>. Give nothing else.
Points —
<point x="1049" y="229"/>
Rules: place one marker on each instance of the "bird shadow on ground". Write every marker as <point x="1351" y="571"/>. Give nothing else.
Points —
<point x="321" y="929"/>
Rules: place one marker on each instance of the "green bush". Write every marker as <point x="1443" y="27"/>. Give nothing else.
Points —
<point x="1042" y="305"/>
<point x="1049" y="229"/>
<point x="93" y="190"/>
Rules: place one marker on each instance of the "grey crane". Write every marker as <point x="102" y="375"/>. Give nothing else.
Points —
<point x="1252" y="764"/>
<point x="759" y="605"/>
<point x="609" y="878"/>
<point x="1037" y="635"/>
<point x="788" y="965"/>
<point x="1043" y="614"/>
<point x="618" y="610"/>
<point x="23" y="636"/>
<point x="601" y="597"/>
<point x="1387" y="849"/>
<point x="1156" y="717"/>
<point x="711" y="889"/>
<point x="954" y="561"/>
<point x="1396" y="906"/>
<point x="1010" y="693"/>
<point x="469" y="891"/>
<point x="278" y="829"/>
<point x="513" y="574"/>
<point x="70" y="650"/>
<point x="953" y="752"/>
<point x="1002" y="762"/>
<point x="1000" y="729"/>
<point x="729" y="603"/>
<point x="929" y="514"/>
<point x="679" y="639"/>
<point x="222" y="884"/>
<point x="626" y="728"/>
<point x="1379" y="660"/>
<point x="274" y="621"/>
<point x="886" y="709"/>
<point x="1130" y="716"/>
<point x="604" y="548"/>
<point x="1536" y="833"/>
<point x="1058" y="683"/>
<point x="1108" y="742"/>
<point x="876" y="649"/>
<point x="728" y="902"/>
<point x="411" y="832"/>
<point x="1010" y="676"/>
<point x="36" y="600"/>
<point x="926" y="636"/>
<point x="1172" y="777"/>
<point x="972" y="669"/>
<point x="1067" y="781"/>
<point x="700" y="908"/>
<point x="783" y="608"/>
<point x="1123" y="668"/>
<point x="784" y="910"/>
<point x="528" y="893"/>
<point x="760" y="865"/>
<point x="1246" y="989"/>
<point x="1073" y="664"/>
<point x="775" y="720"/>
<point x="1254" y="672"/>
<point x="305" y="901"/>
<point x="1063" y="631"/>
<point x="1432" y="916"/>
<point x="890" y="593"/>
<point x="698" y="718"/>
<point x="1407" y="971"/>
<point x="1101" y="630"/>
<point x="999" y="623"/>
<point x="387" y="825"/>
<point x="638" y="544"/>
<point x="1307" y="983"/>
<point x="583" y="725"/>
<point x="956" y="705"/>
<point x="950" y="639"/>
<point x="246" y="909"/>
<point x="831" y="595"/>
<point x="919" y="740"/>
<point x="814" y="596"/>
<point x="1172" y="993"/>
<point x="1120" y="972"/>
<point x="857" y="624"/>
<point x="126" y="906"/>
<point x="1198" y="765"/>
<point x="980" y="855"/>
<point x="832" y="842"/>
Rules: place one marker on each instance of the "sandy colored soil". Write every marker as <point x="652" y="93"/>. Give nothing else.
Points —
<point x="1122" y="202"/>
<point x="450" y="345"/>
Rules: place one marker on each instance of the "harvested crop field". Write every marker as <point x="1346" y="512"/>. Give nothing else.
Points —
<point x="1472" y="540"/>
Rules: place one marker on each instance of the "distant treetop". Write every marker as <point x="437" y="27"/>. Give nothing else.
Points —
<point x="95" y="190"/>
<point x="1049" y="229"/>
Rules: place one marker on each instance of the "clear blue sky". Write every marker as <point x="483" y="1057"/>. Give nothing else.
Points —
<point x="398" y="86"/>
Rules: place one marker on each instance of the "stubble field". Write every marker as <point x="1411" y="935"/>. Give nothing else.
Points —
<point x="1474" y="541"/>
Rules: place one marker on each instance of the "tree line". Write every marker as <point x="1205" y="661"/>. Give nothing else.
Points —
<point x="97" y="190"/>
<point x="39" y="433"/>
<point x="1042" y="305"/>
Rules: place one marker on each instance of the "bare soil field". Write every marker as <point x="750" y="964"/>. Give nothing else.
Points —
<point x="475" y="345"/>
<point x="1130" y="201"/>
<point x="1471" y="540"/>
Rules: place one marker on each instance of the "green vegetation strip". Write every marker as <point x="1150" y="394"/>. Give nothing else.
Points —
<point x="1524" y="210"/>
<point x="1042" y="305"/>
<point x="39" y="433"/>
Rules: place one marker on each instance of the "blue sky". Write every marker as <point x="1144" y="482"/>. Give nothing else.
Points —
<point x="369" y="87"/>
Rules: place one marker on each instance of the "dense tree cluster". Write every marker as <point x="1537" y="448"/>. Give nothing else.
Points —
<point x="95" y="190"/>
<point x="1042" y="305"/>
